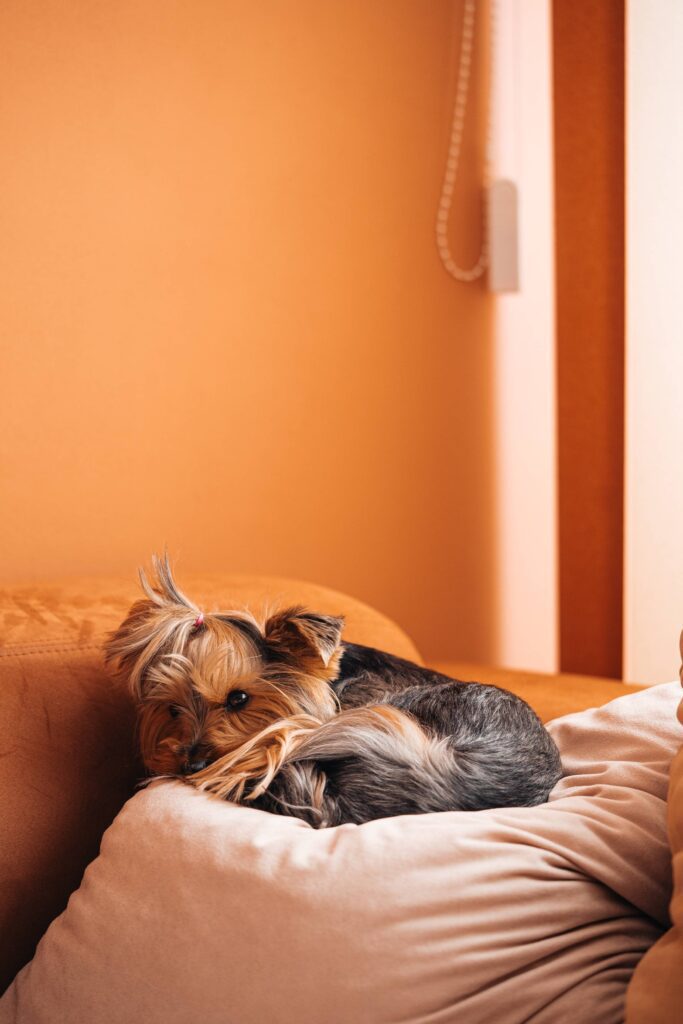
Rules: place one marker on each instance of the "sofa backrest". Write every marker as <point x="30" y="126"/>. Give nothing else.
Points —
<point x="67" y="727"/>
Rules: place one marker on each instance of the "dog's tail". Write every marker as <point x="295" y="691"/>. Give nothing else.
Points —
<point x="369" y="762"/>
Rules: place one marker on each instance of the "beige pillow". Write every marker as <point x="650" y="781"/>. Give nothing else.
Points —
<point x="203" y="911"/>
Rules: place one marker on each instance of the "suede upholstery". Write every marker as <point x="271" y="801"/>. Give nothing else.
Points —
<point x="656" y="992"/>
<point x="655" y="995"/>
<point x="68" y="759"/>
<point x="67" y="727"/>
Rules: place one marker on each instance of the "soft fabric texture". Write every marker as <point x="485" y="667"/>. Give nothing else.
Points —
<point x="79" y="612"/>
<point x="201" y="910"/>
<point x="67" y="729"/>
<point x="656" y="992"/>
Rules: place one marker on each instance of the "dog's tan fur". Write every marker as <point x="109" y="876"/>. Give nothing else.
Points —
<point x="182" y="668"/>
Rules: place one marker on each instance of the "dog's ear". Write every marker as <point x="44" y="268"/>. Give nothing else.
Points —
<point x="306" y="638"/>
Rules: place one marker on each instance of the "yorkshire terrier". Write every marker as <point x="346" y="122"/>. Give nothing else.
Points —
<point x="284" y="715"/>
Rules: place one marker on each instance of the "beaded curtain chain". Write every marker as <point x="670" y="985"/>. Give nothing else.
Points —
<point x="453" y="159"/>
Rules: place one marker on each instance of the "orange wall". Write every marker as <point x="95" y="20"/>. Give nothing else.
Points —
<point x="223" y="322"/>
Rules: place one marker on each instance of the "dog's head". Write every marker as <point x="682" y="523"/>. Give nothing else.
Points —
<point x="223" y="697"/>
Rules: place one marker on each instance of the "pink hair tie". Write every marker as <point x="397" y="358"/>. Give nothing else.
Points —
<point x="199" y="621"/>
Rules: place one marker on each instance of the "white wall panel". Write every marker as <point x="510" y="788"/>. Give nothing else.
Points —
<point x="654" y="340"/>
<point x="525" y="346"/>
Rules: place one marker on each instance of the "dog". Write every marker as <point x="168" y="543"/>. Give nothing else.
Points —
<point x="284" y="715"/>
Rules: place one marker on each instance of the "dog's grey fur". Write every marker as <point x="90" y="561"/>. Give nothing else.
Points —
<point x="478" y="747"/>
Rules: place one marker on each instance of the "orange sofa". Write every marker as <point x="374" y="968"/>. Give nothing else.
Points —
<point x="67" y="727"/>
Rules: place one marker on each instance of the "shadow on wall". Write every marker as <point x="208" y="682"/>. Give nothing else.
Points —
<point x="225" y="323"/>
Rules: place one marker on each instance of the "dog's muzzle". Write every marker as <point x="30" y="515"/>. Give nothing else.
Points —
<point x="194" y="762"/>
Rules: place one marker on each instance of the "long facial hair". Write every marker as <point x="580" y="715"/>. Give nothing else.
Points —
<point x="182" y="665"/>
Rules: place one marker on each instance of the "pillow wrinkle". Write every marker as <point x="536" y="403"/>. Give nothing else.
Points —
<point x="200" y="909"/>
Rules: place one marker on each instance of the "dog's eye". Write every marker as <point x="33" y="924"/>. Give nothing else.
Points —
<point x="236" y="699"/>
<point x="173" y="711"/>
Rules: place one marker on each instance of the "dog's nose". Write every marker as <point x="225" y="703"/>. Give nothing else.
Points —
<point x="194" y="761"/>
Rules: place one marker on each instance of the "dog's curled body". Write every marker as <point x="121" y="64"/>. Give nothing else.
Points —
<point x="282" y="714"/>
<point x="465" y="746"/>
